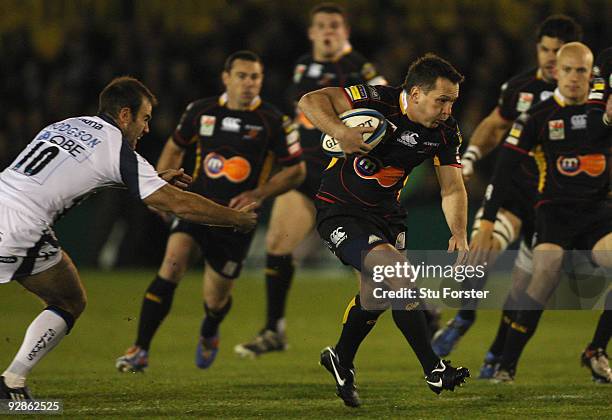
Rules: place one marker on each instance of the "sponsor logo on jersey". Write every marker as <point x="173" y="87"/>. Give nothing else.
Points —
<point x="400" y="241"/>
<point x="207" y="125"/>
<point x="408" y="138"/>
<point x="599" y="84"/>
<point x="524" y="101"/>
<point x="593" y="165"/>
<point x="235" y="169"/>
<point x="8" y="260"/>
<point x="556" y="129"/>
<point x="315" y="70"/>
<point x="299" y="72"/>
<point x="515" y="132"/>
<point x="579" y="122"/>
<point x="231" y="124"/>
<point x="373" y="92"/>
<point x="373" y="238"/>
<point x="545" y="94"/>
<point x="338" y="236"/>
<point x="357" y="92"/>
<point x="368" y="168"/>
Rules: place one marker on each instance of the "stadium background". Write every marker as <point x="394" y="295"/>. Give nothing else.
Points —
<point x="58" y="54"/>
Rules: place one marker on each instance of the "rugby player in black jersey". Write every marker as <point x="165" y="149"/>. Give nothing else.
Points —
<point x="572" y="210"/>
<point x="332" y="62"/>
<point x="599" y="106"/>
<point x="515" y="218"/>
<point x="238" y="138"/>
<point x="358" y="208"/>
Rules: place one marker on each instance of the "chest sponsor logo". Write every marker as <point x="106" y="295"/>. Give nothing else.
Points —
<point x="315" y="70"/>
<point x="231" y="124"/>
<point x="556" y="129"/>
<point x="299" y="72"/>
<point x="252" y="131"/>
<point x="593" y="165"/>
<point x="368" y="168"/>
<point x="579" y="122"/>
<point x="236" y="169"/>
<point x="207" y="125"/>
<point x="545" y="94"/>
<point x="338" y="236"/>
<point x="524" y="101"/>
<point x="408" y="138"/>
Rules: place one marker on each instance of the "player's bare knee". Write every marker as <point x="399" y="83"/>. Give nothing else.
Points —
<point x="602" y="252"/>
<point x="274" y="241"/>
<point x="173" y="268"/>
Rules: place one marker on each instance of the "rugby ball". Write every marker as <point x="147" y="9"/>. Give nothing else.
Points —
<point x="359" y="117"/>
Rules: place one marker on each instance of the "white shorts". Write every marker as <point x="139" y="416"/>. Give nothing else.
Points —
<point x="27" y="245"/>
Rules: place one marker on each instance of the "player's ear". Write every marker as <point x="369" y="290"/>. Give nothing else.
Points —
<point x="124" y="116"/>
<point x="415" y="94"/>
<point x="225" y="78"/>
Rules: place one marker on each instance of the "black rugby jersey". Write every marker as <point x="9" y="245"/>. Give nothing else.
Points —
<point x="374" y="181"/>
<point x="572" y="165"/>
<point x="309" y="75"/>
<point x="518" y="95"/>
<point x="235" y="150"/>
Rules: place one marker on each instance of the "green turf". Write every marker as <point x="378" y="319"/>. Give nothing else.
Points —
<point x="81" y="370"/>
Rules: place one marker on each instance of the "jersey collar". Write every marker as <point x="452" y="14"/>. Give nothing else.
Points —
<point x="109" y="120"/>
<point x="403" y="102"/>
<point x="559" y="98"/>
<point x="252" y="106"/>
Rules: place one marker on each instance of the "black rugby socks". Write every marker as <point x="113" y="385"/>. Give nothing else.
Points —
<point x="357" y="323"/>
<point x="155" y="306"/>
<point x="279" y="274"/>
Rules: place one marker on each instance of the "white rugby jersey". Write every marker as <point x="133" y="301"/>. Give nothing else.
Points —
<point x="70" y="159"/>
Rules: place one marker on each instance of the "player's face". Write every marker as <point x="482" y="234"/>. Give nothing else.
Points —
<point x="243" y="82"/>
<point x="329" y="35"/>
<point x="138" y="125"/>
<point x="573" y="75"/>
<point x="435" y="106"/>
<point x="547" y="56"/>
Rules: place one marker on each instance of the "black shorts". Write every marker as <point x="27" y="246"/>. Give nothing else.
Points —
<point x="351" y="234"/>
<point x="222" y="247"/>
<point x="573" y="225"/>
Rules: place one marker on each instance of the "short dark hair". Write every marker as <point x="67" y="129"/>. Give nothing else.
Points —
<point x="245" y="55"/>
<point x="560" y="26"/>
<point x="424" y="72"/>
<point x="329" y="8"/>
<point x="122" y="92"/>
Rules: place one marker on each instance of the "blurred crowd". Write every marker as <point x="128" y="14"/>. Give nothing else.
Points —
<point x="58" y="54"/>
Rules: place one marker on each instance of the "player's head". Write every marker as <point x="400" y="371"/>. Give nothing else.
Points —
<point x="130" y="103"/>
<point x="242" y="77"/>
<point x="574" y="65"/>
<point x="553" y="32"/>
<point x="432" y="86"/>
<point x="328" y="31"/>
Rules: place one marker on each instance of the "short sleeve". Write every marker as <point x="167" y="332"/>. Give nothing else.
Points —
<point x="186" y="130"/>
<point x="286" y="142"/>
<point x="138" y="175"/>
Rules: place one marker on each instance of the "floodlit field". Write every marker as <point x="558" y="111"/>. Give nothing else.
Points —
<point x="80" y="371"/>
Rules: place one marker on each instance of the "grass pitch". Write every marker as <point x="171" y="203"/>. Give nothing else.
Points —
<point x="80" y="371"/>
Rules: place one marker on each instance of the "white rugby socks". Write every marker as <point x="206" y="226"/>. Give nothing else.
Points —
<point x="43" y="334"/>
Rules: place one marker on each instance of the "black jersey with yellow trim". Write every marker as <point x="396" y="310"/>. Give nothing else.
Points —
<point x="572" y="164"/>
<point x="235" y="150"/>
<point x="523" y="91"/>
<point x="374" y="181"/>
<point x="518" y="95"/>
<point x="309" y="74"/>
